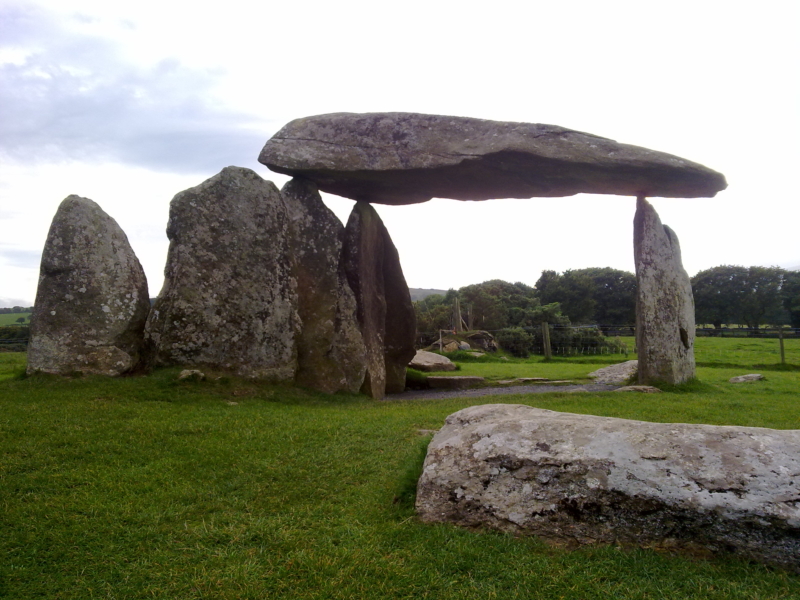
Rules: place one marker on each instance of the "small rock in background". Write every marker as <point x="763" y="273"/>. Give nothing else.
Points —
<point x="192" y="374"/>
<point x="646" y="389"/>
<point x="429" y="361"/>
<point x="464" y="346"/>
<point x="746" y="378"/>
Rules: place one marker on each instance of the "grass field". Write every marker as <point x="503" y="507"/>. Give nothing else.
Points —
<point x="11" y="318"/>
<point x="150" y="488"/>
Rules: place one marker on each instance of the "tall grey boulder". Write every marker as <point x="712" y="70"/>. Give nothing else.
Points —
<point x="664" y="302"/>
<point x="330" y="350"/>
<point x="229" y="299"/>
<point x="92" y="300"/>
<point x="581" y="479"/>
<point x="385" y="313"/>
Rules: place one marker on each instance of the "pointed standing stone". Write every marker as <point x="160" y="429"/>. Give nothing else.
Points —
<point x="330" y="349"/>
<point x="228" y="300"/>
<point x="385" y="312"/>
<point x="92" y="300"/>
<point x="664" y="302"/>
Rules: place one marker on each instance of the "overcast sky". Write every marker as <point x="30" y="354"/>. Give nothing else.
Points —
<point x="128" y="103"/>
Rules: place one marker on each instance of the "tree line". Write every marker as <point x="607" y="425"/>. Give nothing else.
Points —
<point x="15" y="310"/>
<point x="724" y="295"/>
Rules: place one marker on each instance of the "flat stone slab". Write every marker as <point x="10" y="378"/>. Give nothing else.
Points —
<point x="644" y="389"/>
<point x="407" y="158"/>
<point x="619" y="373"/>
<point x="746" y="378"/>
<point x="580" y="479"/>
<point x="444" y="382"/>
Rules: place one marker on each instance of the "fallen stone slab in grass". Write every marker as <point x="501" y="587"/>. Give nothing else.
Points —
<point x="444" y="382"/>
<point x="430" y="361"/>
<point x="746" y="378"/>
<point x="580" y="479"/>
<point x="645" y="389"/>
<point x="619" y="373"/>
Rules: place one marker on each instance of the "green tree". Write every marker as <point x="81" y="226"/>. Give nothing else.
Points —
<point x="718" y="294"/>
<point x="573" y="290"/>
<point x="762" y="301"/>
<point x="791" y="297"/>
<point x="614" y="295"/>
<point x="21" y="320"/>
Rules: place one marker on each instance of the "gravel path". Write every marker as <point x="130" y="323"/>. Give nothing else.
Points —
<point x="499" y="391"/>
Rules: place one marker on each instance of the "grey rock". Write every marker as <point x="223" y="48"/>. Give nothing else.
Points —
<point x="385" y="313"/>
<point x="746" y="378"/>
<point x="645" y="389"/>
<point x="454" y="382"/>
<point x="229" y="300"/>
<point x="664" y="303"/>
<point x="92" y="300"/>
<point x="429" y="361"/>
<point x="331" y="355"/>
<point x="406" y="158"/>
<point x="619" y="373"/>
<point x="580" y="479"/>
<point x="464" y="346"/>
<point x="193" y="374"/>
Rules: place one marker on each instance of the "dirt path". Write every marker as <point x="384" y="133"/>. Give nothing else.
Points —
<point x="499" y="391"/>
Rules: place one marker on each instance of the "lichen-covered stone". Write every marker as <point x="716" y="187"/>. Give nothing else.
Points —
<point x="385" y="313"/>
<point x="330" y="349"/>
<point x="665" y="328"/>
<point x="229" y="299"/>
<point x="619" y="373"/>
<point x="405" y="158"/>
<point x="92" y="300"/>
<point x="580" y="479"/>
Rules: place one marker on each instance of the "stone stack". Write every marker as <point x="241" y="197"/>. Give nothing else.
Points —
<point x="92" y="300"/>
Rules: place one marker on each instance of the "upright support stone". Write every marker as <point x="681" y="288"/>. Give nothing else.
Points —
<point x="92" y="300"/>
<point x="385" y="312"/>
<point x="665" y="326"/>
<point x="330" y="349"/>
<point x="229" y="300"/>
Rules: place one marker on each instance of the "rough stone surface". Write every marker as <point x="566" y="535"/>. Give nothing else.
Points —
<point x="406" y="158"/>
<point x="454" y="382"/>
<point x="330" y="350"/>
<point x="429" y="361"/>
<point x="229" y="299"/>
<point x="645" y="389"/>
<point x="385" y="313"/>
<point x="619" y="373"/>
<point x="746" y="378"/>
<point x="92" y="300"/>
<point x="579" y="479"/>
<point x="191" y="374"/>
<point x="664" y="302"/>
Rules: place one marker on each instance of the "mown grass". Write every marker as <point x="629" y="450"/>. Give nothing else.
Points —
<point x="147" y="487"/>
<point x="11" y="318"/>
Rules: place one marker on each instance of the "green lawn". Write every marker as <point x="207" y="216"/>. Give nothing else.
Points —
<point x="149" y="488"/>
<point x="11" y="318"/>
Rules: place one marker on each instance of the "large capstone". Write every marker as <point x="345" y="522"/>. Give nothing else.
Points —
<point x="406" y="158"/>
<point x="330" y="349"/>
<point x="580" y="479"/>
<point x="664" y="302"/>
<point x="229" y="299"/>
<point x="385" y="312"/>
<point x="92" y="300"/>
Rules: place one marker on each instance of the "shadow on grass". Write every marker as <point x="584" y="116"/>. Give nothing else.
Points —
<point x="406" y="489"/>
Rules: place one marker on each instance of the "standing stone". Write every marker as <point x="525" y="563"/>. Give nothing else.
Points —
<point x="92" y="300"/>
<point x="385" y="313"/>
<point x="664" y="302"/>
<point x="330" y="350"/>
<point x="228" y="300"/>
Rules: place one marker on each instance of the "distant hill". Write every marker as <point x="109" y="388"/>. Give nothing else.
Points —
<point x="419" y="293"/>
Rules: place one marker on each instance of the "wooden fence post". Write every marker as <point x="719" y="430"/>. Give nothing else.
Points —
<point x="780" y="339"/>
<point x="548" y="352"/>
